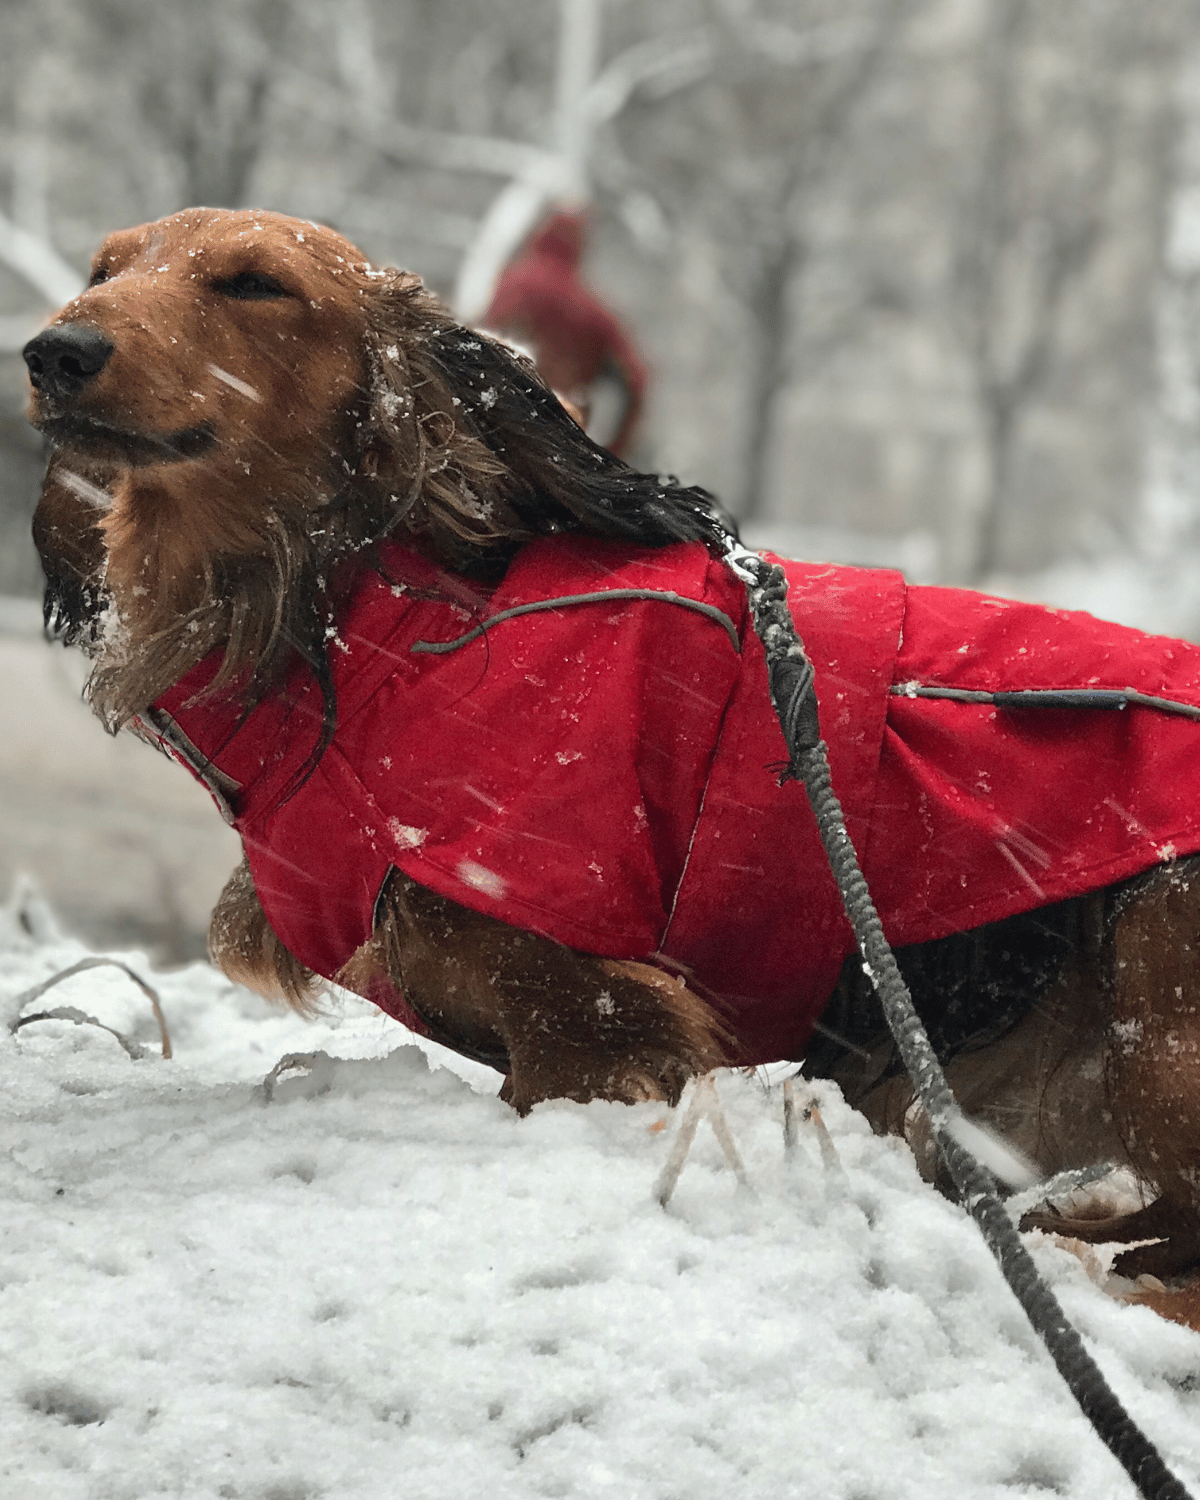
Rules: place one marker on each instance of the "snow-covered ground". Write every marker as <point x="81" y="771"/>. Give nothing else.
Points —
<point x="396" y="1288"/>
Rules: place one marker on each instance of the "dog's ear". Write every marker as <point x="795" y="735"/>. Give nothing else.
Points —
<point x="66" y="533"/>
<point x="419" y="469"/>
<point x="474" y="452"/>
<point x="557" y="477"/>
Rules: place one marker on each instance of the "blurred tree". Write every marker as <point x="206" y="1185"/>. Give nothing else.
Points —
<point x="188" y="91"/>
<point x="894" y="263"/>
<point x="760" y="124"/>
<point x="1038" y="204"/>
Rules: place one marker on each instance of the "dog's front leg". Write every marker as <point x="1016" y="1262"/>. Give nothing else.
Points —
<point x="243" y="945"/>
<point x="574" y="1026"/>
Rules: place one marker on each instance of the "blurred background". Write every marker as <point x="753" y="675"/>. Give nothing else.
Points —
<point x="910" y="282"/>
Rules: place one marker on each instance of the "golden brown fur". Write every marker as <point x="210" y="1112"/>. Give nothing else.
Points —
<point x="241" y="409"/>
<point x="242" y="943"/>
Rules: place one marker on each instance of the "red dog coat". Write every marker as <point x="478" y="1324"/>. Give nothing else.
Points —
<point x="603" y="771"/>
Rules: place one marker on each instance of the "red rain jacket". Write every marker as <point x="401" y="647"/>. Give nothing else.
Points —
<point x="604" y="773"/>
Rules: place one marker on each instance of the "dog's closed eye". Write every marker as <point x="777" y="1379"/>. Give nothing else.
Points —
<point x="250" y="286"/>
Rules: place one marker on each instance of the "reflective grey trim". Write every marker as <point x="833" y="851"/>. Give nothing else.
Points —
<point x="1093" y="698"/>
<point x="601" y="596"/>
<point x="223" y="789"/>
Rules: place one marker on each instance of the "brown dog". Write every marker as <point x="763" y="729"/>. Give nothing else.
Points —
<point x="258" y="441"/>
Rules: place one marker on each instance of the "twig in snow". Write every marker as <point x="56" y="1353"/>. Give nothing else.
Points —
<point x="720" y="1125"/>
<point x="829" y="1155"/>
<point x="791" y="1134"/>
<point x="704" y="1102"/>
<point x="313" y="1075"/>
<point x="81" y="1018"/>
<point x="70" y="1013"/>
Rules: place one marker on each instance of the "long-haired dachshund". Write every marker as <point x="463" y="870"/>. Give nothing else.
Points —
<point x="486" y="709"/>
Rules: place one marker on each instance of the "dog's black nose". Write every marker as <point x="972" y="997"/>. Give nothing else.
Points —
<point x="62" y="360"/>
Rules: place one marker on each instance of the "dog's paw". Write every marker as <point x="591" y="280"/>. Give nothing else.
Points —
<point x="1163" y="1259"/>
<point x="661" y="1079"/>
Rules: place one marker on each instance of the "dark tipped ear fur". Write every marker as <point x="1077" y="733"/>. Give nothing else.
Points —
<point x="557" y="477"/>
<point x="477" y="455"/>
<point x="66" y="533"/>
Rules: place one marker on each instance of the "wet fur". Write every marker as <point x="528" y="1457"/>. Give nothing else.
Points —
<point x="358" y="411"/>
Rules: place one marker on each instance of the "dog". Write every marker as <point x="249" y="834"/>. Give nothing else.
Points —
<point x="487" y="709"/>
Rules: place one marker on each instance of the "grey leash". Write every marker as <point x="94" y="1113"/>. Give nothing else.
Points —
<point x="793" y="694"/>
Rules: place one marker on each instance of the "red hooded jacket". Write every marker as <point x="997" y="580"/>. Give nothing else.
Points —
<point x="603" y="771"/>
<point x="541" y="300"/>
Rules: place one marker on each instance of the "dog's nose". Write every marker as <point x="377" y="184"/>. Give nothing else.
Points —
<point x="62" y="360"/>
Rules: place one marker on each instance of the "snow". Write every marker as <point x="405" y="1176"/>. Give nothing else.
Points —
<point x="240" y="386"/>
<point x="382" y="1283"/>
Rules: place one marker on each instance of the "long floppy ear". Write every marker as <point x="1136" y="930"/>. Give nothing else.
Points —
<point x="561" y="479"/>
<point x="66" y="533"/>
<point x="467" y="447"/>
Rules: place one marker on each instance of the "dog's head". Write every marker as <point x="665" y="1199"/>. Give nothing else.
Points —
<point x="210" y="371"/>
<point x="239" y="403"/>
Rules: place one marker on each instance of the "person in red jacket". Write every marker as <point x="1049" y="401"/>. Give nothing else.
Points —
<point x="579" y="346"/>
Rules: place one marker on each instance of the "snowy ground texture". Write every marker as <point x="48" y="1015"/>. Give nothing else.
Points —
<point x="397" y="1288"/>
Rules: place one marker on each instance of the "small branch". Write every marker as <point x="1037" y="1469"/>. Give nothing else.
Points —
<point x="313" y="1074"/>
<point x="669" y="1177"/>
<point x="19" y="1003"/>
<point x="669" y="62"/>
<point x="829" y="1155"/>
<point x="704" y="1101"/>
<point x="490" y="156"/>
<point x="791" y="1131"/>
<point x="720" y="1125"/>
<point x="81" y="1018"/>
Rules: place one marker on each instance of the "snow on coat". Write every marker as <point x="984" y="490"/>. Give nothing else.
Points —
<point x="604" y="771"/>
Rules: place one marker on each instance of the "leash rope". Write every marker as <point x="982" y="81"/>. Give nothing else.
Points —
<point x="793" y="693"/>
